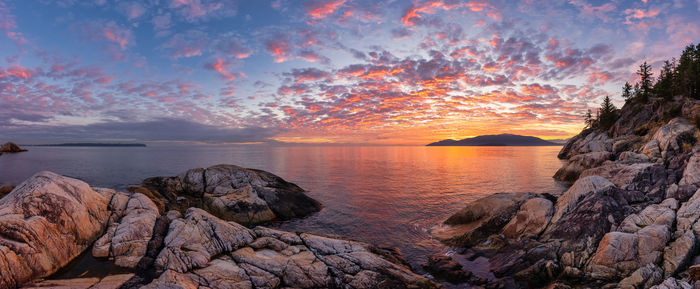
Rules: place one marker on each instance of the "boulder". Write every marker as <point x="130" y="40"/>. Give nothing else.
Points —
<point x="445" y="268"/>
<point x="688" y="214"/>
<point x="481" y="218"/>
<point x="624" y="143"/>
<point x="246" y="196"/>
<point x="678" y="253"/>
<point x="578" y="163"/>
<point x="587" y="141"/>
<point x="671" y="136"/>
<point x="691" y="174"/>
<point x="629" y="157"/>
<point x="127" y="239"/>
<point x="643" y="278"/>
<point x="673" y="283"/>
<point x="680" y="193"/>
<point x="583" y="215"/>
<point x="532" y="218"/>
<point x="640" y="240"/>
<point x="644" y="177"/>
<point x="10" y="147"/>
<point x="633" y="115"/>
<point x="46" y="222"/>
<point x="577" y="192"/>
<point x="193" y="241"/>
<point x="652" y="149"/>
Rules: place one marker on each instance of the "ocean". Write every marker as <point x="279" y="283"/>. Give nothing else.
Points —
<point x="386" y="195"/>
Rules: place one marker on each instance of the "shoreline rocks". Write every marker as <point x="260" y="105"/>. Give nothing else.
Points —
<point x="246" y="196"/>
<point x="631" y="218"/>
<point x="49" y="220"/>
<point x="46" y="222"/>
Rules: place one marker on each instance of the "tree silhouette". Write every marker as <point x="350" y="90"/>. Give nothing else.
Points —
<point x="665" y="85"/>
<point x="645" y="76"/>
<point x="588" y="119"/>
<point x="608" y="114"/>
<point x="627" y="91"/>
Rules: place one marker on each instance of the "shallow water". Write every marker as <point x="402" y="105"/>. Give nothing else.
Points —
<point x="390" y="196"/>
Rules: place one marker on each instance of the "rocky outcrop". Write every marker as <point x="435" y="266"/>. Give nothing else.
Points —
<point x="127" y="239"/>
<point x="49" y="220"/>
<point x="245" y="196"/>
<point x="108" y="282"/>
<point x="480" y="219"/>
<point x="46" y="222"/>
<point x="577" y="164"/>
<point x="639" y="240"/>
<point x="445" y="268"/>
<point x="532" y="218"/>
<point x="586" y="142"/>
<point x="630" y="220"/>
<point x="691" y="174"/>
<point x="672" y="135"/>
<point x="10" y="147"/>
<point x="650" y="178"/>
<point x="201" y="250"/>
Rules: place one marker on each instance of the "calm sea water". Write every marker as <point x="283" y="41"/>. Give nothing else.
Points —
<point x="389" y="196"/>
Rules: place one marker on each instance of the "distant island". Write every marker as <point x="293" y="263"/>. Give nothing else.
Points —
<point x="496" y="140"/>
<point x="91" y="145"/>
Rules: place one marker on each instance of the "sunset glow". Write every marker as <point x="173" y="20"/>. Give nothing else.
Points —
<point x="322" y="71"/>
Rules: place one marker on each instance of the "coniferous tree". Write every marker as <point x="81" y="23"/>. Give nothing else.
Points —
<point x="645" y="78"/>
<point x="608" y="114"/>
<point x="688" y="72"/>
<point x="627" y="91"/>
<point x="588" y="118"/>
<point x="665" y="86"/>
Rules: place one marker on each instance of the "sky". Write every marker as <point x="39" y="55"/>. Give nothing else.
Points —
<point x="322" y="71"/>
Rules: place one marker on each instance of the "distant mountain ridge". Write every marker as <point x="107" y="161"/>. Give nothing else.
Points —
<point x="496" y="140"/>
<point x="91" y="145"/>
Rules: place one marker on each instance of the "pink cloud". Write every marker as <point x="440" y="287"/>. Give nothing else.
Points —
<point x="16" y="71"/>
<point x="639" y="14"/>
<point x="110" y="31"/>
<point x="323" y="8"/>
<point x="279" y="49"/>
<point x="9" y="27"/>
<point x="220" y="66"/>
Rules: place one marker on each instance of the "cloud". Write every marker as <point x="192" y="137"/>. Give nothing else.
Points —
<point x="279" y="48"/>
<point x="221" y="66"/>
<point x="323" y="8"/>
<point x="162" y="22"/>
<point x="204" y="10"/>
<point x="8" y="26"/>
<point x="107" y="30"/>
<point x="639" y="14"/>
<point x="232" y="46"/>
<point x="187" y="44"/>
<point x="132" y="10"/>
